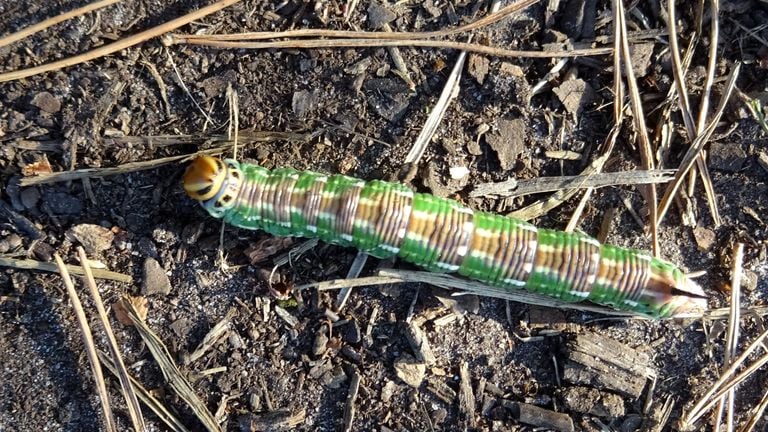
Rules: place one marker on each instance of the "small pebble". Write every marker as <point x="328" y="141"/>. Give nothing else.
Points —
<point x="351" y="354"/>
<point x="192" y="232"/>
<point x="155" y="279"/>
<point x="352" y="335"/>
<point x="10" y="243"/>
<point x="749" y="280"/>
<point x="47" y="102"/>
<point x="163" y="235"/>
<point x="410" y="371"/>
<point x="378" y="15"/>
<point x="147" y="248"/>
<point x="321" y="342"/>
<point x="43" y="251"/>
<point x="30" y="197"/>
<point x="705" y="238"/>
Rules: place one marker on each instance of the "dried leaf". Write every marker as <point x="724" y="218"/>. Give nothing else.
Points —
<point x="139" y="303"/>
<point x="37" y="168"/>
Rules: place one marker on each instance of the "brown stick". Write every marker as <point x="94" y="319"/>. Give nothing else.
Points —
<point x="119" y="45"/>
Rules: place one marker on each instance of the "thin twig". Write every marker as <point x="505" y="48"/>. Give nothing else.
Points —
<point x="134" y="410"/>
<point x="327" y="34"/>
<point x="378" y="43"/>
<point x="21" y="34"/>
<point x="678" y="69"/>
<point x="90" y="346"/>
<point x="697" y="145"/>
<point x="119" y="45"/>
<point x="549" y="184"/>
<point x="725" y="382"/>
<point x="450" y="91"/>
<point x="732" y="337"/>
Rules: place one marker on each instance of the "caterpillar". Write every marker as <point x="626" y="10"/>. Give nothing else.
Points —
<point x="385" y="219"/>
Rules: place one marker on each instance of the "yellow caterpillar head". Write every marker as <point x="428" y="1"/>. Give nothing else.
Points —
<point x="213" y="182"/>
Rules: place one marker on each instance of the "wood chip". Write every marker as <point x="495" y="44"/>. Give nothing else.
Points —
<point x="441" y="390"/>
<point x="466" y="396"/>
<point x="592" y="401"/>
<point x="540" y="417"/>
<point x="598" y="361"/>
<point x="419" y="344"/>
<point x="349" y="405"/>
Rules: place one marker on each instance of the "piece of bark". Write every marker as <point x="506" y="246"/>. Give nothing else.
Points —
<point x="419" y="344"/>
<point x="540" y="417"/>
<point x="598" y="361"/>
<point x="349" y="405"/>
<point x="466" y="395"/>
<point x="588" y="400"/>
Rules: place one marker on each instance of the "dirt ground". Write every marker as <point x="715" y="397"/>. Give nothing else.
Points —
<point x="361" y="118"/>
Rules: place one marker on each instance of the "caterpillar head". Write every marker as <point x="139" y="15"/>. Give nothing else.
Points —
<point x="213" y="182"/>
<point x="675" y="293"/>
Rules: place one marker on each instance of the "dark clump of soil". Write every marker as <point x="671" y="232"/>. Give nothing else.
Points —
<point x="490" y="365"/>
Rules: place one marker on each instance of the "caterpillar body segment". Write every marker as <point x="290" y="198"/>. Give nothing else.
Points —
<point x="386" y="219"/>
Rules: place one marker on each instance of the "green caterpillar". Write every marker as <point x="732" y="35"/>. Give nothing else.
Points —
<point x="387" y="219"/>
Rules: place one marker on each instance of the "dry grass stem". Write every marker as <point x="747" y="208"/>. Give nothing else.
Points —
<point x="726" y="381"/>
<point x="638" y="117"/>
<point x="120" y="44"/>
<point x="246" y="136"/>
<point x="171" y="372"/>
<point x="401" y="69"/>
<point x="21" y="34"/>
<point x="758" y="413"/>
<point x="679" y="71"/>
<point x="349" y="405"/>
<point x="90" y="346"/>
<point x="354" y="271"/>
<point x="339" y="34"/>
<point x="160" y="85"/>
<point x="450" y="91"/>
<point x="212" y="337"/>
<point x="28" y="264"/>
<point x="121" y="169"/>
<point x="134" y="410"/>
<point x="549" y="184"/>
<point x="347" y="283"/>
<point x="99" y="172"/>
<point x="697" y="145"/>
<point x="732" y="337"/>
<point x="146" y="397"/>
<point x="378" y="43"/>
